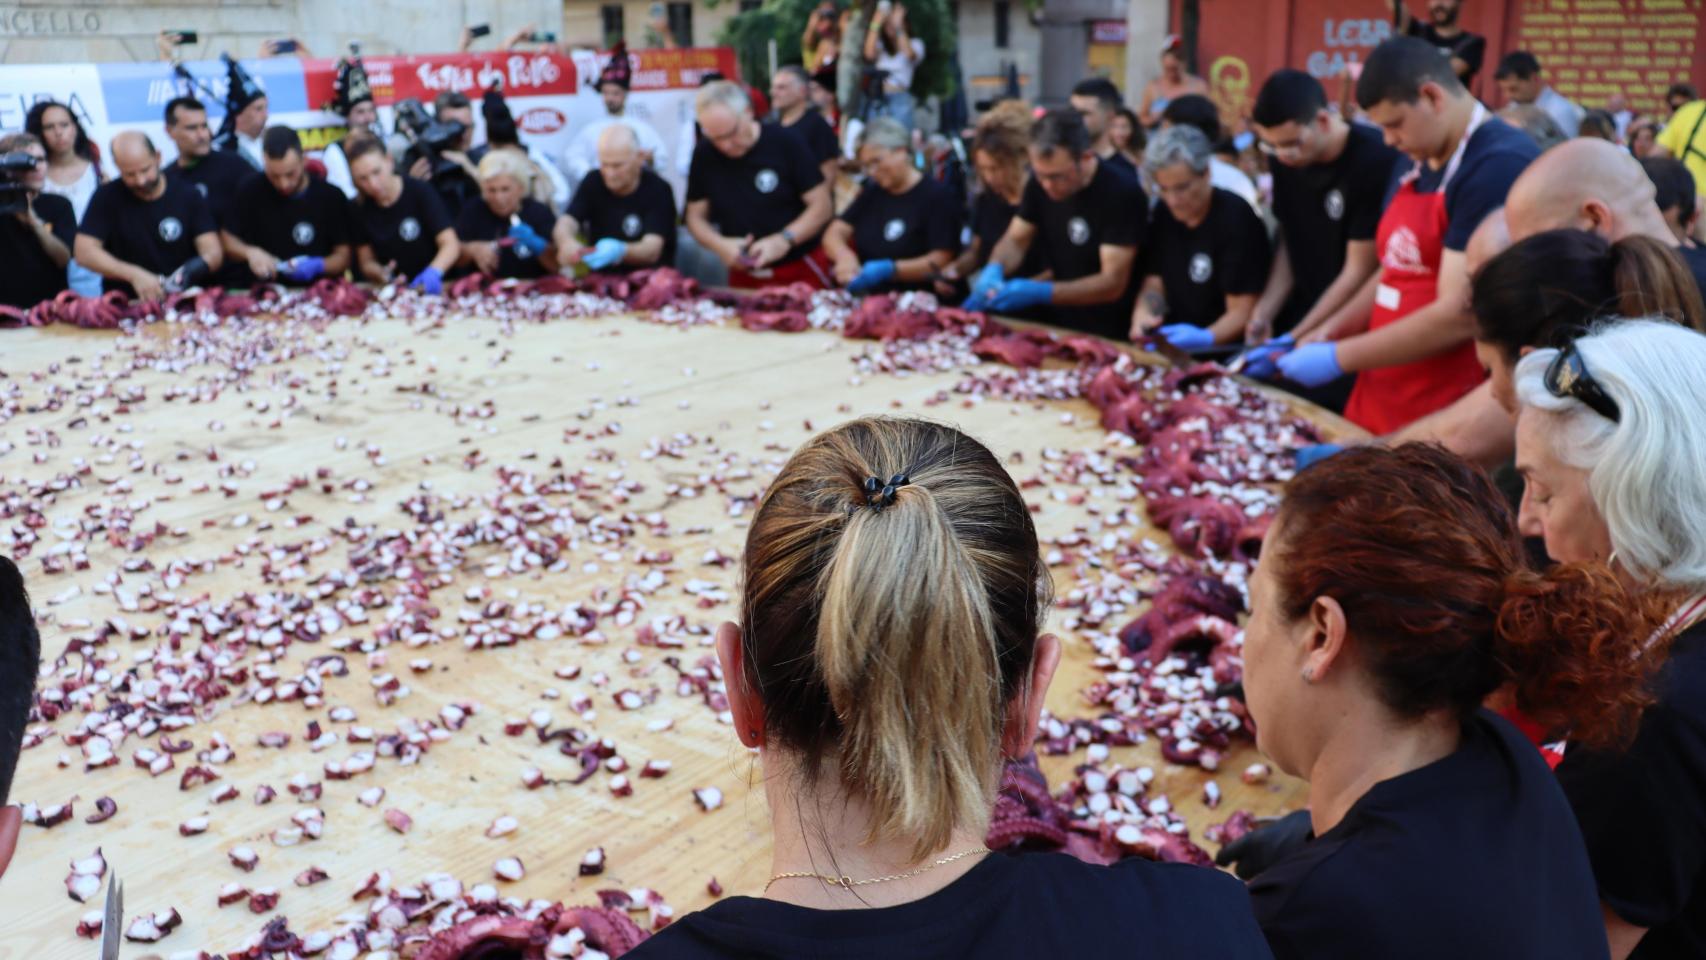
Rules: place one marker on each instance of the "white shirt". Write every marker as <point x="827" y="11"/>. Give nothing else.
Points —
<point x="1566" y="114"/>
<point x="78" y="193"/>
<point x="250" y="148"/>
<point x="1228" y="177"/>
<point x="337" y="168"/>
<point x="898" y="65"/>
<point x="559" y="185"/>
<point x="582" y="156"/>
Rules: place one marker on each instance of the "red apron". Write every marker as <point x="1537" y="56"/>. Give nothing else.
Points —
<point x="811" y="269"/>
<point x="1410" y="239"/>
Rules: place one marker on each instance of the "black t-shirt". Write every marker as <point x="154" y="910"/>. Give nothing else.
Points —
<point x="890" y="227"/>
<point x="1471" y="48"/>
<point x="1643" y="811"/>
<point x="1020" y="906"/>
<point x="816" y="133"/>
<point x="1228" y="253"/>
<point x="217" y="177"/>
<point x="1120" y="163"/>
<point x="1111" y="210"/>
<point x="1474" y="855"/>
<point x="1323" y="207"/>
<point x="309" y="224"/>
<point x="759" y="192"/>
<point x="405" y="232"/>
<point x="477" y="224"/>
<point x="1695" y="258"/>
<point x="30" y="275"/>
<point x="990" y="215"/>
<point x="156" y="235"/>
<point x="649" y="209"/>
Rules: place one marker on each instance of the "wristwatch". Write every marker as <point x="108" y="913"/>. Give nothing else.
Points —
<point x="788" y="235"/>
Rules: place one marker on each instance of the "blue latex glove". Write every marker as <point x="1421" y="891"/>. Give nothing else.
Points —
<point x="1187" y="336"/>
<point x="304" y="269"/>
<point x="1315" y="453"/>
<point x="1312" y="364"/>
<point x="1259" y="360"/>
<point x="987" y="281"/>
<point x="430" y="280"/>
<point x="873" y="274"/>
<point x="528" y="242"/>
<point x="1016" y="295"/>
<point x="605" y="253"/>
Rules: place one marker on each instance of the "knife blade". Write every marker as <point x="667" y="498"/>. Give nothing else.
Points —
<point x="113" y="920"/>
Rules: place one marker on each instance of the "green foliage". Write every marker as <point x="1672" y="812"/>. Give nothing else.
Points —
<point x="784" y="21"/>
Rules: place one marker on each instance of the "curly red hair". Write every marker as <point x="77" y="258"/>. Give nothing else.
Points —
<point x="1421" y="551"/>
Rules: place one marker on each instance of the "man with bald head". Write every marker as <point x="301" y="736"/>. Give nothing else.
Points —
<point x="624" y="210"/>
<point x="1594" y="185"/>
<point x="144" y="234"/>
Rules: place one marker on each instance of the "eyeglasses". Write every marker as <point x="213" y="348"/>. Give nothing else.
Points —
<point x="1568" y="376"/>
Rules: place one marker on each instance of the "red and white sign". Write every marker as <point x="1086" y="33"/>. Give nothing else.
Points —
<point x="541" y="120"/>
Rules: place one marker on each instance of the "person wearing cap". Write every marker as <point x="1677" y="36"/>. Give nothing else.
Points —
<point x="1417" y="355"/>
<point x="755" y="197"/>
<point x="352" y="99"/>
<point x="1330" y="179"/>
<point x="1089" y="223"/>
<point x="1444" y="33"/>
<point x="614" y="80"/>
<point x="245" y="116"/>
<point x="624" y="209"/>
<point x="1174" y="81"/>
<point x="1518" y="76"/>
<point x="286" y="225"/>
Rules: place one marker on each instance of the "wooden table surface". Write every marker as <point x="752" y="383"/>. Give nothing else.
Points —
<point x="745" y="399"/>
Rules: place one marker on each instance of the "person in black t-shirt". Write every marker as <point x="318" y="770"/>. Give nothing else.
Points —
<point x="626" y="210"/>
<point x="1330" y="181"/>
<point x="399" y="224"/>
<point x="215" y="174"/>
<point x="790" y="97"/>
<point x="1088" y="222"/>
<point x="1394" y="596"/>
<point x="1609" y="443"/>
<point x="1466" y="50"/>
<point x="902" y="228"/>
<point x="504" y="232"/>
<point x="1000" y="154"/>
<point x="885" y="674"/>
<point x="143" y="233"/>
<point x="1097" y="100"/>
<point x="1208" y="254"/>
<point x="35" y="241"/>
<point x="288" y="225"/>
<point x="755" y="197"/>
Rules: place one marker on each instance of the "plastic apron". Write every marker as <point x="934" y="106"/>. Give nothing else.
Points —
<point x="1410" y="240"/>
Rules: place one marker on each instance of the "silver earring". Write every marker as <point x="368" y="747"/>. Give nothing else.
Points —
<point x="1308" y="674"/>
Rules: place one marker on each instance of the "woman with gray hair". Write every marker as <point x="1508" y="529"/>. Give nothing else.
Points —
<point x="505" y="232"/>
<point x="1612" y="449"/>
<point x="1207" y="256"/>
<point x="902" y="229"/>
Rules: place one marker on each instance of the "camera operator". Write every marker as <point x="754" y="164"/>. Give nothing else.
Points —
<point x="144" y="233"/>
<point x="442" y="153"/>
<point x="37" y="230"/>
<point x="287" y="225"/>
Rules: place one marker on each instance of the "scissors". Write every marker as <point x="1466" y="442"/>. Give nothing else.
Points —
<point x="113" y="921"/>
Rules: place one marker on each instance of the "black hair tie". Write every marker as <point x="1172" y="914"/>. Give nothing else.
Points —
<point x="879" y="494"/>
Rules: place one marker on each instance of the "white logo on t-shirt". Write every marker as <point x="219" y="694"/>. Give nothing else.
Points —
<point x="171" y="228"/>
<point x="302" y="233"/>
<point x="631" y="225"/>
<point x="1078" y="231"/>
<point x="409" y="229"/>
<point x="1201" y="268"/>
<point x="1335" y="204"/>
<point x="201" y="188"/>
<point x="894" y="229"/>
<point x="766" y="181"/>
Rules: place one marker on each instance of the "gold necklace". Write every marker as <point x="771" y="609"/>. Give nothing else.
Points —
<point x="848" y="883"/>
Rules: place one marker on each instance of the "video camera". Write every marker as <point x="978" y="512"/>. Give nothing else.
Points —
<point x="426" y="135"/>
<point x="14" y="196"/>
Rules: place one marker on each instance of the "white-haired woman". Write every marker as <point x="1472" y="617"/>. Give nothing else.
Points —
<point x="902" y="229"/>
<point x="505" y="233"/>
<point x="1612" y="446"/>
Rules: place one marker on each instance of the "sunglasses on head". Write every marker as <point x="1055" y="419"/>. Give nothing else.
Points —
<point x="1568" y="376"/>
